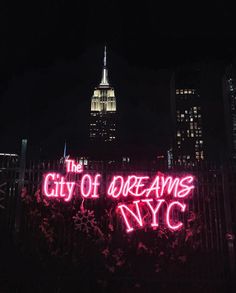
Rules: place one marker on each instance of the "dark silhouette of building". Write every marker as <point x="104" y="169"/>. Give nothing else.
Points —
<point x="103" y="110"/>
<point x="229" y="98"/>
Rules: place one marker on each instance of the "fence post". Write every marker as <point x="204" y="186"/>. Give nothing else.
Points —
<point x="228" y="219"/>
<point x="21" y="180"/>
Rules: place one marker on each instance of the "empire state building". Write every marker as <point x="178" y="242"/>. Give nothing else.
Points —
<point x="103" y="110"/>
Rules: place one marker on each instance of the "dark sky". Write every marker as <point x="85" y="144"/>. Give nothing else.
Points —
<point x="51" y="59"/>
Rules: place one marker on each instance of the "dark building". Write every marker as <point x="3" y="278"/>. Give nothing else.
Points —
<point x="229" y="98"/>
<point x="188" y="142"/>
<point x="103" y="111"/>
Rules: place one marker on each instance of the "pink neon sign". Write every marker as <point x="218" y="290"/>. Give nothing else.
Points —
<point x="160" y="186"/>
<point x="162" y="198"/>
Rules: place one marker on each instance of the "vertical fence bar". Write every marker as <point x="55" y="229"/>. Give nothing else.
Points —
<point x="21" y="180"/>
<point x="228" y="219"/>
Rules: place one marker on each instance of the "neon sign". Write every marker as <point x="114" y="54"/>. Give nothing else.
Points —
<point x="141" y="200"/>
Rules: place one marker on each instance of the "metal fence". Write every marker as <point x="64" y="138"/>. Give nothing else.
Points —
<point x="214" y="202"/>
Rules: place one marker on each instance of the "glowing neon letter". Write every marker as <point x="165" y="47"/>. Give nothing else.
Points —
<point x="137" y="217"/>
<point x="154" y="211"/>
<point x="113" y="190"/>
<point x="136" y="185"/>
<point x="171" y="205"/>
<point x="128" y="185"/>
<point x="170" y="184"/>
<point x="83" y="183"/>
<point x="154" y="187"/>
<point x="95" y="188"/>
<point x="73" y="167"/>
<point x="140" y="184"/>
<point x="62" y="184"/>
<point x="70" y="186"/>
<point x="186" y="188"/>
<point x="46" y="183"/>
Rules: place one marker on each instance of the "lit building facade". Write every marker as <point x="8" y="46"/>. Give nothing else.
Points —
<point x="103" y="122"/>
<point x="229" y="96"/>
<point x="188" y="143"/>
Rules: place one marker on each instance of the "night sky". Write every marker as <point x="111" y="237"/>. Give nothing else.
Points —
<point x="51" y="59"/>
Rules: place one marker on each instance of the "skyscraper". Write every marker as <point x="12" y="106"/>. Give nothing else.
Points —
<point x="103" y="110"/>
<point x="188" y="144"/>
<point x="229" y="96"/>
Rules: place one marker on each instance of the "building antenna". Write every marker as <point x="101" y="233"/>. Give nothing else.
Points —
<point x="65" y="149"/>
<point x="104" y="81"/>
<point x="105" y="57"/>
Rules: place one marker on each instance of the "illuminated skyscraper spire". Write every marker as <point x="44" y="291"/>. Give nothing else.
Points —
<point x="103" y="109"/>
<point x="104" y="81"/>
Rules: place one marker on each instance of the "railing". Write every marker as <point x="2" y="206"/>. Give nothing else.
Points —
<point x="213" y="203"/>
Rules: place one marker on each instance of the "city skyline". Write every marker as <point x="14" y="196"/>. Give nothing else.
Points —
<point x="147" y="108"/>
<point x="117" y="147"/>
<point x="49" y="68"/>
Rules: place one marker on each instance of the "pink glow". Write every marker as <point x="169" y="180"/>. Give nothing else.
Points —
<point x="155" y="195"/>
<point x="160" y="186"/>
<point x="133" y="185"/>
<point x="72" y="167"/>
<point x="70" y="187"/>
<point x="137" y="217"/>
<point x="59" y="187"/>
<point x="154" y="211"/>
<point x="55" y="185"/>
<point x="95" y="186"/>
<point x="46" y="183"/>
<point x="112" y="189"/>
<point x="186" y="189"/>
<point x="129" y="215"/>
<point x="169" y="185"/>
<point x="86" y="180"/>
<point x="154" y="187"/>
<point x="168" y="212"/>
<point x="92" y="187"/>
